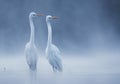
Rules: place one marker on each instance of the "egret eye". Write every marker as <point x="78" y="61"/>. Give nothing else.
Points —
<point x="34" y="15"/>
<point x="50" y="18"/>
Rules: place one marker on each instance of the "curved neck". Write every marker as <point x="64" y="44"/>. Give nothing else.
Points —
<point x="32" y="30"/>
<point x="49" y="42"/>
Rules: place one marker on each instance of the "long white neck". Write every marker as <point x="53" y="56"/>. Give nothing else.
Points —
<point x="32" y="30"/>
<point x="49" y="42"/>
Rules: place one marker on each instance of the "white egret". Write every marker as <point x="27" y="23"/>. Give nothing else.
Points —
<point x="31" y="50"/>
<point x="52" y="52"/>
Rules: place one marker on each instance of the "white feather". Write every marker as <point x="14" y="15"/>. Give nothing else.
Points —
<point x="52" y="52"/>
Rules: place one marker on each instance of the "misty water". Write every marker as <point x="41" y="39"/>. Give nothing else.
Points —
<point x="79" y="70"/>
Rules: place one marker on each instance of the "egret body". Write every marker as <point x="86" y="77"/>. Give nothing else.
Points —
<point x="52" y="52"/>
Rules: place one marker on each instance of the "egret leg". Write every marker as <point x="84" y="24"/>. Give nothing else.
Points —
<point x="54" y="70"/>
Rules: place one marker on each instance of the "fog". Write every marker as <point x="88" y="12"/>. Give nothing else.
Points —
<point x="76" y="70"/>
<point x="83" y="26"/>
<point x="87" y="34"/>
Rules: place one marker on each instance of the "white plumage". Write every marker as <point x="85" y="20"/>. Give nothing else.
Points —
<point x="52" y="52"/>
<point x="31" y="51"/>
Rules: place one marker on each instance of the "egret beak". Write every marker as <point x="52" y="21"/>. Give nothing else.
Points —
<point x="55" y="17"/>
<point x="39" y="15"/>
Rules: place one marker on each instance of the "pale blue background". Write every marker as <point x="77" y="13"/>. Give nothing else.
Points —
<point x="84" y="25"/>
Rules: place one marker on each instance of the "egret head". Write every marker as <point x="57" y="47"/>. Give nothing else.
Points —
<point x="33" y="14"/>
<point x="49" y="17"/>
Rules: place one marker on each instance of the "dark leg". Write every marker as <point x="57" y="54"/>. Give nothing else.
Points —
<point x="54" y="70"/>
